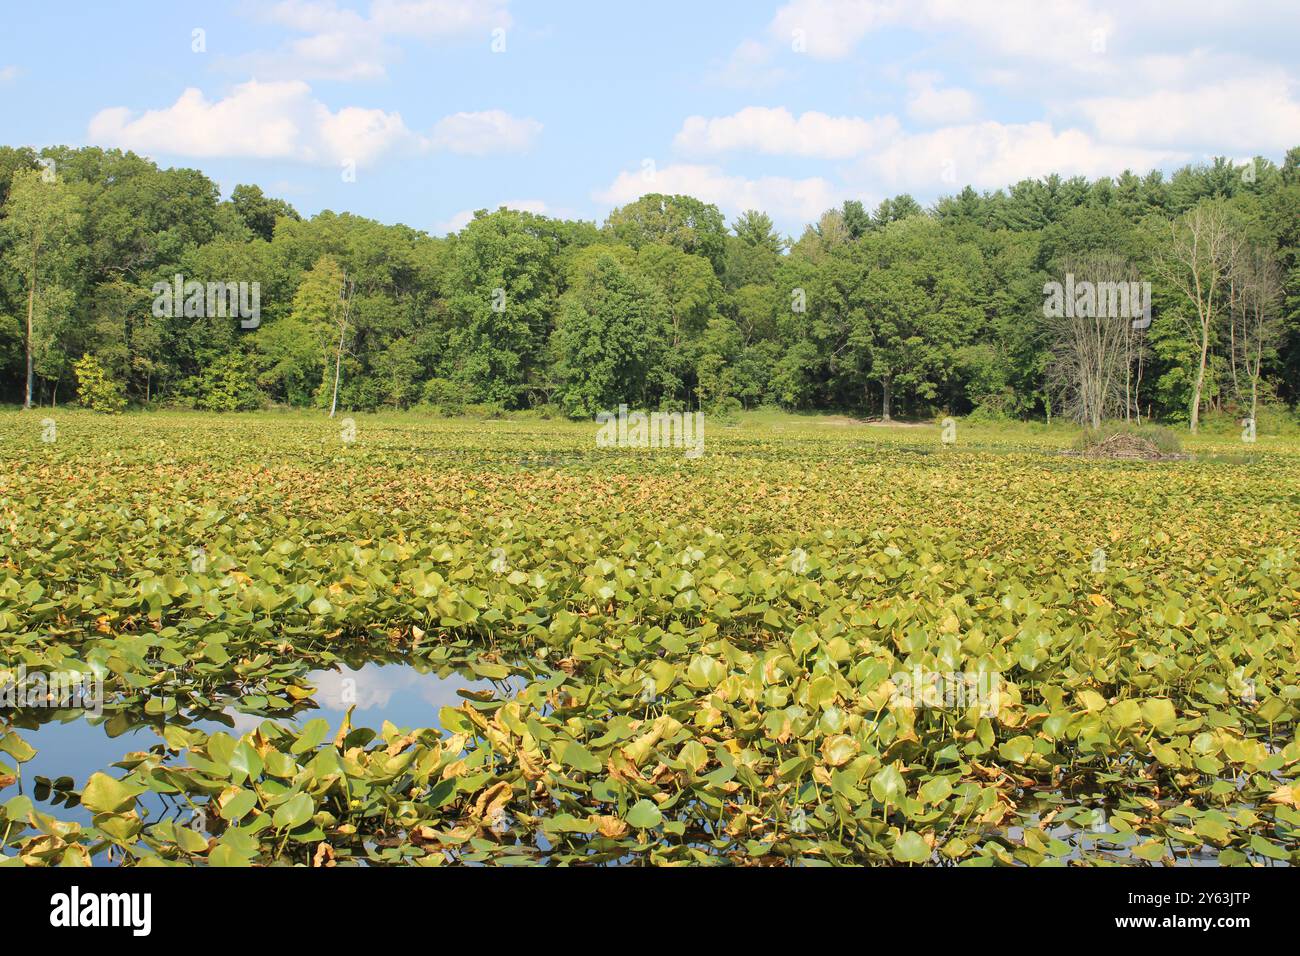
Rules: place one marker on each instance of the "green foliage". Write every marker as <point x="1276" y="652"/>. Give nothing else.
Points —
<point x="725" y="411"/>
<point x="38" y="238"/>
<point x="258" y="212"/>
<point x="504" y="278"/>
<point x="924" y="310"/>
<point x="613" y="328"/>
<point x="484" y="411"/>
<point x="95" y="390"/>
<point x="445" y="395"/>
<point x="227" y="385"/>
<point x="686" y="223"/>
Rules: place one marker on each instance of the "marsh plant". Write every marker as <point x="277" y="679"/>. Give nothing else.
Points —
<point x="61" y="690"/>
<point x="948" y="690"/>
<point x="829" y="674"/>
<point x="659" y="430"/>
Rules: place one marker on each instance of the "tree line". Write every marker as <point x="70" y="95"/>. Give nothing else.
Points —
<point x="900" y="310"/>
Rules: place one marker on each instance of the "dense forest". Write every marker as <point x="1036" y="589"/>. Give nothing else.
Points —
<point x="898" y="311"/>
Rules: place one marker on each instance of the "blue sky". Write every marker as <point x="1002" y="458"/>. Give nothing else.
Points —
<point x="570" y="107"/>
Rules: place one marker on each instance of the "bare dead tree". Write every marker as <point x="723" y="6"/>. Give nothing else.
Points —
<point x="1135" y="353"/>
<point x="1092" y="342"/>
<point x="1203" y="247"/>
<point x="1255" y="300"/>
<point x="341" y="319"/>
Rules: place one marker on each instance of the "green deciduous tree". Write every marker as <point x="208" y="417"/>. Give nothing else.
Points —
<point x="1198" y="257"/>
<point x="95" y="389"/>
<point x="683" y="222"/>
<point x="41" y="219"/>
<point x="610" y="339"/>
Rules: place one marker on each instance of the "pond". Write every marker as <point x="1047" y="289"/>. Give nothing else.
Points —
<point x="71" y="745"/>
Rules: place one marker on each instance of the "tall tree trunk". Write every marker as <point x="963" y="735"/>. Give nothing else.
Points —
<point x="31" y="308"/>
<point x="1200" y="382"/>
<point x="1128" y="391"/>
<point x="886" y="402"/>
<point x="1196" y="394"/>
<point x="338" y="362"/>
<point x="343" y="331"/>
<point x="1254" y="400"/>
<point x="1254" y="378"/>
<point x="1232" y="348"/>
<point x="1137" y="389"/>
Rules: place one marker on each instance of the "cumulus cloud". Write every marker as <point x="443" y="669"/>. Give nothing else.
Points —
<point x="312" y="16"/>
<point x="435" y="18"/>
<point x="1118" y="86"/>
<point x="777" y="132"/>
<point x="282" y="120"/>
<point x="1026" y="43"/>
<point x="832" y="29"/>
<point x="990" y="154"/>
<point x="275" y="120"/>
<point x="1252" y="113"/>
<point x="986" y="155"/>
<point x="749" y="67"/>
<point x="344" y="44"/>
<point x="799" y="200"/>
<point x="341" y="55"/>
<point x="931" y="104"/>
<point x="479" y="134"/>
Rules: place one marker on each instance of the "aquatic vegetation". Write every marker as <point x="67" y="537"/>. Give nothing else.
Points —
<point x="812" y="644"/>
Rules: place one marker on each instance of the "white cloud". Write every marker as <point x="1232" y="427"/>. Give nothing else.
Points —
<point x="934" y="105"/>
<point x="463" y="218"/>
<point x="990" y="155"/>
<point x="312" y="16"/>
<point x="343" y="44"/>
<point x="776" y="132"/>
<point x="341" y="55"/>
<point x="479" y="134"/>
<point x="801" y="200"/>
<point x="749" y="68"/>
<point x="1127" y="82"/>
<point x="8" y="73"/>
<point x="340" y="44"/>
<point x="354" y="134"/>
<point x="832" y="29"/>
<point x="435" y="18"/>
<point x="1084" y="40"/>
<point x="275" y="120"/>
<point x="282" y="120"/>
<point x="1251" y="113"/>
